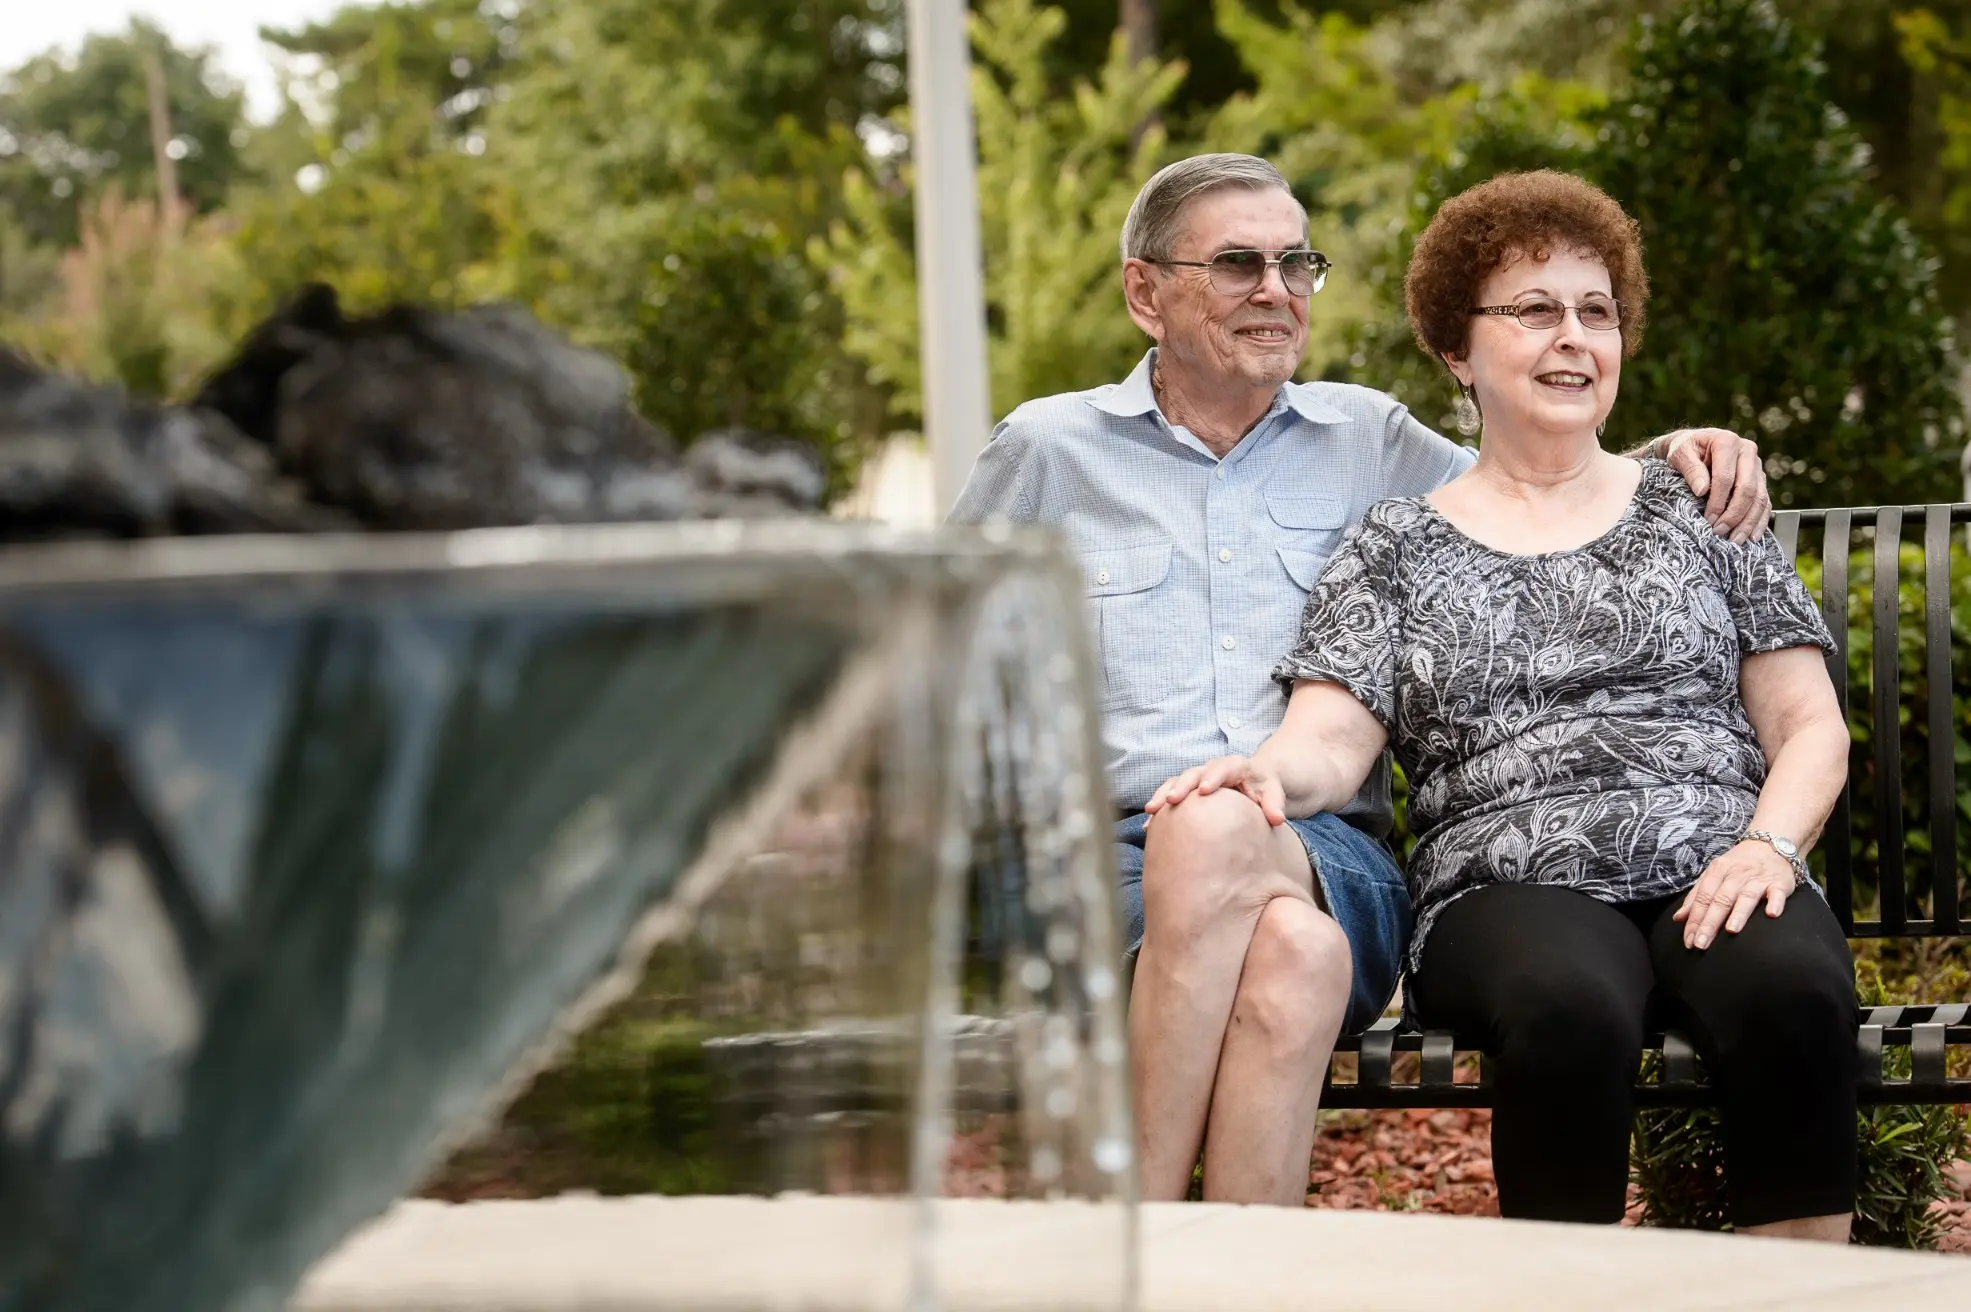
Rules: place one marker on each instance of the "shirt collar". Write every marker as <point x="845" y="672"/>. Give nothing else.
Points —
<point x="1134" y="396"/>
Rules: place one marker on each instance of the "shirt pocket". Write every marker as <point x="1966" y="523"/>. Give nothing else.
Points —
<point x="1305" y="531"/>
<point x="1133" y="619"/>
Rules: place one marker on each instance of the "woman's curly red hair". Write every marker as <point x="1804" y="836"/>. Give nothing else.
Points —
<point x="1512" y="217"/>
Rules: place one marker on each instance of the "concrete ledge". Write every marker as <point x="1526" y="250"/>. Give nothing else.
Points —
<point x="585" y="1254"/>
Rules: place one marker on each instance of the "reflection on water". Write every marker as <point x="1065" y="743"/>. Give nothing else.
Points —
<point x="798" y="829"/>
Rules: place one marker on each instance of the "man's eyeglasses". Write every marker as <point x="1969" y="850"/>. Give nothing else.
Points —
<point x="1600" y="313"/>
<point x="1239" y="273"/>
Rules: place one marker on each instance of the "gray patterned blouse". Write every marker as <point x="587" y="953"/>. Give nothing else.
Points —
<point x="1568" y="718"/>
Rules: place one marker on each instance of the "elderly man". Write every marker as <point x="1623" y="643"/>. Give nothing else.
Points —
<point x="1203" y="493"/>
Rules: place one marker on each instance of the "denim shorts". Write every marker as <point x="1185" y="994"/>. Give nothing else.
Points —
<point x="1360" y="884"/>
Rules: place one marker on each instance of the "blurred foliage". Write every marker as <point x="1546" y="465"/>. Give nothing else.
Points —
<point x="406" y="214"/>
<point x="74" y="127"/>
<point x="1796" y="304"/>
<point x="357" y="64"/>
<point x="137" y="301"/>
<point x="665" y="218"/>
<point x="1057" y="172"/>
<point x="1941" y="55"/>
<point x="1791" y="302"/>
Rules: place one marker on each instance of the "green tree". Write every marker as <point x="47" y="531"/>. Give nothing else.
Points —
<point x="1792" y="302"/>
<point x="670" y="165"/>
<point x="364" y="59"/>
<point x="1943" y="60"/>
<point x="76" y="126"/>
<point x="1900" y="103"/>
<point x="1057" y="172"/>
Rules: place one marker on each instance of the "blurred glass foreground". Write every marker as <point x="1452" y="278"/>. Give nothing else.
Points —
<point x="315" y="848"/>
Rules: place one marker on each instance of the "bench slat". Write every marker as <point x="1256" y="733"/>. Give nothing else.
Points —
<point x="1786" y="527"/>
<point x="1887" y="736"/>
<point x="1834" y="610"/>
<point x="1943" y="732"/>
<point x="1439" y="1062"/>
<point x="1926" y="1057"/>
<point x="1868" y="1052"/>
<point x="1378" y="1046"/>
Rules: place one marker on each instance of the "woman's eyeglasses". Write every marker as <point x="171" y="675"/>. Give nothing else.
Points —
<point x="1239" y="273"/>
<point x="1600" y="313"/>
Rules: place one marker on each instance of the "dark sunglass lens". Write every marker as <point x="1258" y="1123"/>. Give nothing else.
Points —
<point x="1540" y="312"/>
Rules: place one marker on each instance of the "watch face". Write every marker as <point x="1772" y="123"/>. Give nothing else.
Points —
<point x="1786" y="848"/>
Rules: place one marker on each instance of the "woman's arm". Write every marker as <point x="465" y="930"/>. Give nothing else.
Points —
<point x="1323" y="750"/>
<point x="1315" y="761"/>
<point x="1791" y="705"/>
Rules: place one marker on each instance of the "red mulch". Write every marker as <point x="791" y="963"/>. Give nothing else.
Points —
<point x="1441" y="1161"/>
<point x="1405" y="1161"/>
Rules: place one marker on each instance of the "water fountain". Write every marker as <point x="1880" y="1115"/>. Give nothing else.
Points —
<point x="319" y="847"/>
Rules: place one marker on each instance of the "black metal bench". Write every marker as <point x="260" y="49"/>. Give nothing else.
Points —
<point x="1929" y="1031"/>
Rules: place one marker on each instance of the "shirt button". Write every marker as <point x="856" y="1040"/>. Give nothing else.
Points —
<point x="1225" y="554"/>
<point x="1234" y="722"/>
<point x="1228" y="643"/>
<point x="1221" y="471"/>
<point x="1102" y="576"/>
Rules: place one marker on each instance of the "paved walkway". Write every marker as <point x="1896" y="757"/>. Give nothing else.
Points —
<point x="583" y="1254"/>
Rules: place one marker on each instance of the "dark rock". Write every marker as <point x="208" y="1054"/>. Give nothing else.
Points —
<point x="79" y="460"/>
<point x="409" y="419"/>
<point x="414" y="418"/>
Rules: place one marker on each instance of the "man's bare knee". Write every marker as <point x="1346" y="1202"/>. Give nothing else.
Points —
<point x="1208" y="828"/>
<point x="1209" y="859"/>
<point x="1298" y="974"/>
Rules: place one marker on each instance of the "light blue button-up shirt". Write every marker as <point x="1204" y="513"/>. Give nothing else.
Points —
<point x="1197" y="568"/>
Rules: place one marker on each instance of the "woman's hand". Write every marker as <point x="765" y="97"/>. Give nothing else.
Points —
<point x="1236" y="772"/>
<point x="1730" y="890"/>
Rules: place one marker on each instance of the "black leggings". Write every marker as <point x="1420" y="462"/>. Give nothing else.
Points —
<point x="1558" y="988"/>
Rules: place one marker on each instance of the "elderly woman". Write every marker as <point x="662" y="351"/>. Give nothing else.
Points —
<point x="1619" y="734"/>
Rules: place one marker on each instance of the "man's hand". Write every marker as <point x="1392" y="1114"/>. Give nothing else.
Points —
<point x="1235" y="772"/>
<point x="1726" y="471"/>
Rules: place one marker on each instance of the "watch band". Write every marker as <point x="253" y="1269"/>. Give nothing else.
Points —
<point x="1798" y="862"/>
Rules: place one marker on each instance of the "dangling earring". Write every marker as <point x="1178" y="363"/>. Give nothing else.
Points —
<point x="1465" y="408"/>
<point x="1600" y="428"/>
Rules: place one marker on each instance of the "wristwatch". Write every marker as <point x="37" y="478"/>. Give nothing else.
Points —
<point x="1784" y="846"/>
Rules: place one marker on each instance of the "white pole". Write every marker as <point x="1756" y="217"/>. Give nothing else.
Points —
<point x="950" y="278"/>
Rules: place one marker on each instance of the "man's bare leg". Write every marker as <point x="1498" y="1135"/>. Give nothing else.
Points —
<point x="1212" y="866"/>
<point x="1291" y="1002"/>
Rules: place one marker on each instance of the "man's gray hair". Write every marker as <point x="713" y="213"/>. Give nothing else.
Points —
<point x="1152" y="228"/>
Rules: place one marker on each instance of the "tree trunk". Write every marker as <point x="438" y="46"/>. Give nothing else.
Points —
<point x="1138" y="19"/>
<point x="168" y="201"/>
<point x="1139" y="25"/>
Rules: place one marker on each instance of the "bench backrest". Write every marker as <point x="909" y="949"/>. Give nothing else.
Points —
<point x="1905" y="887"/>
